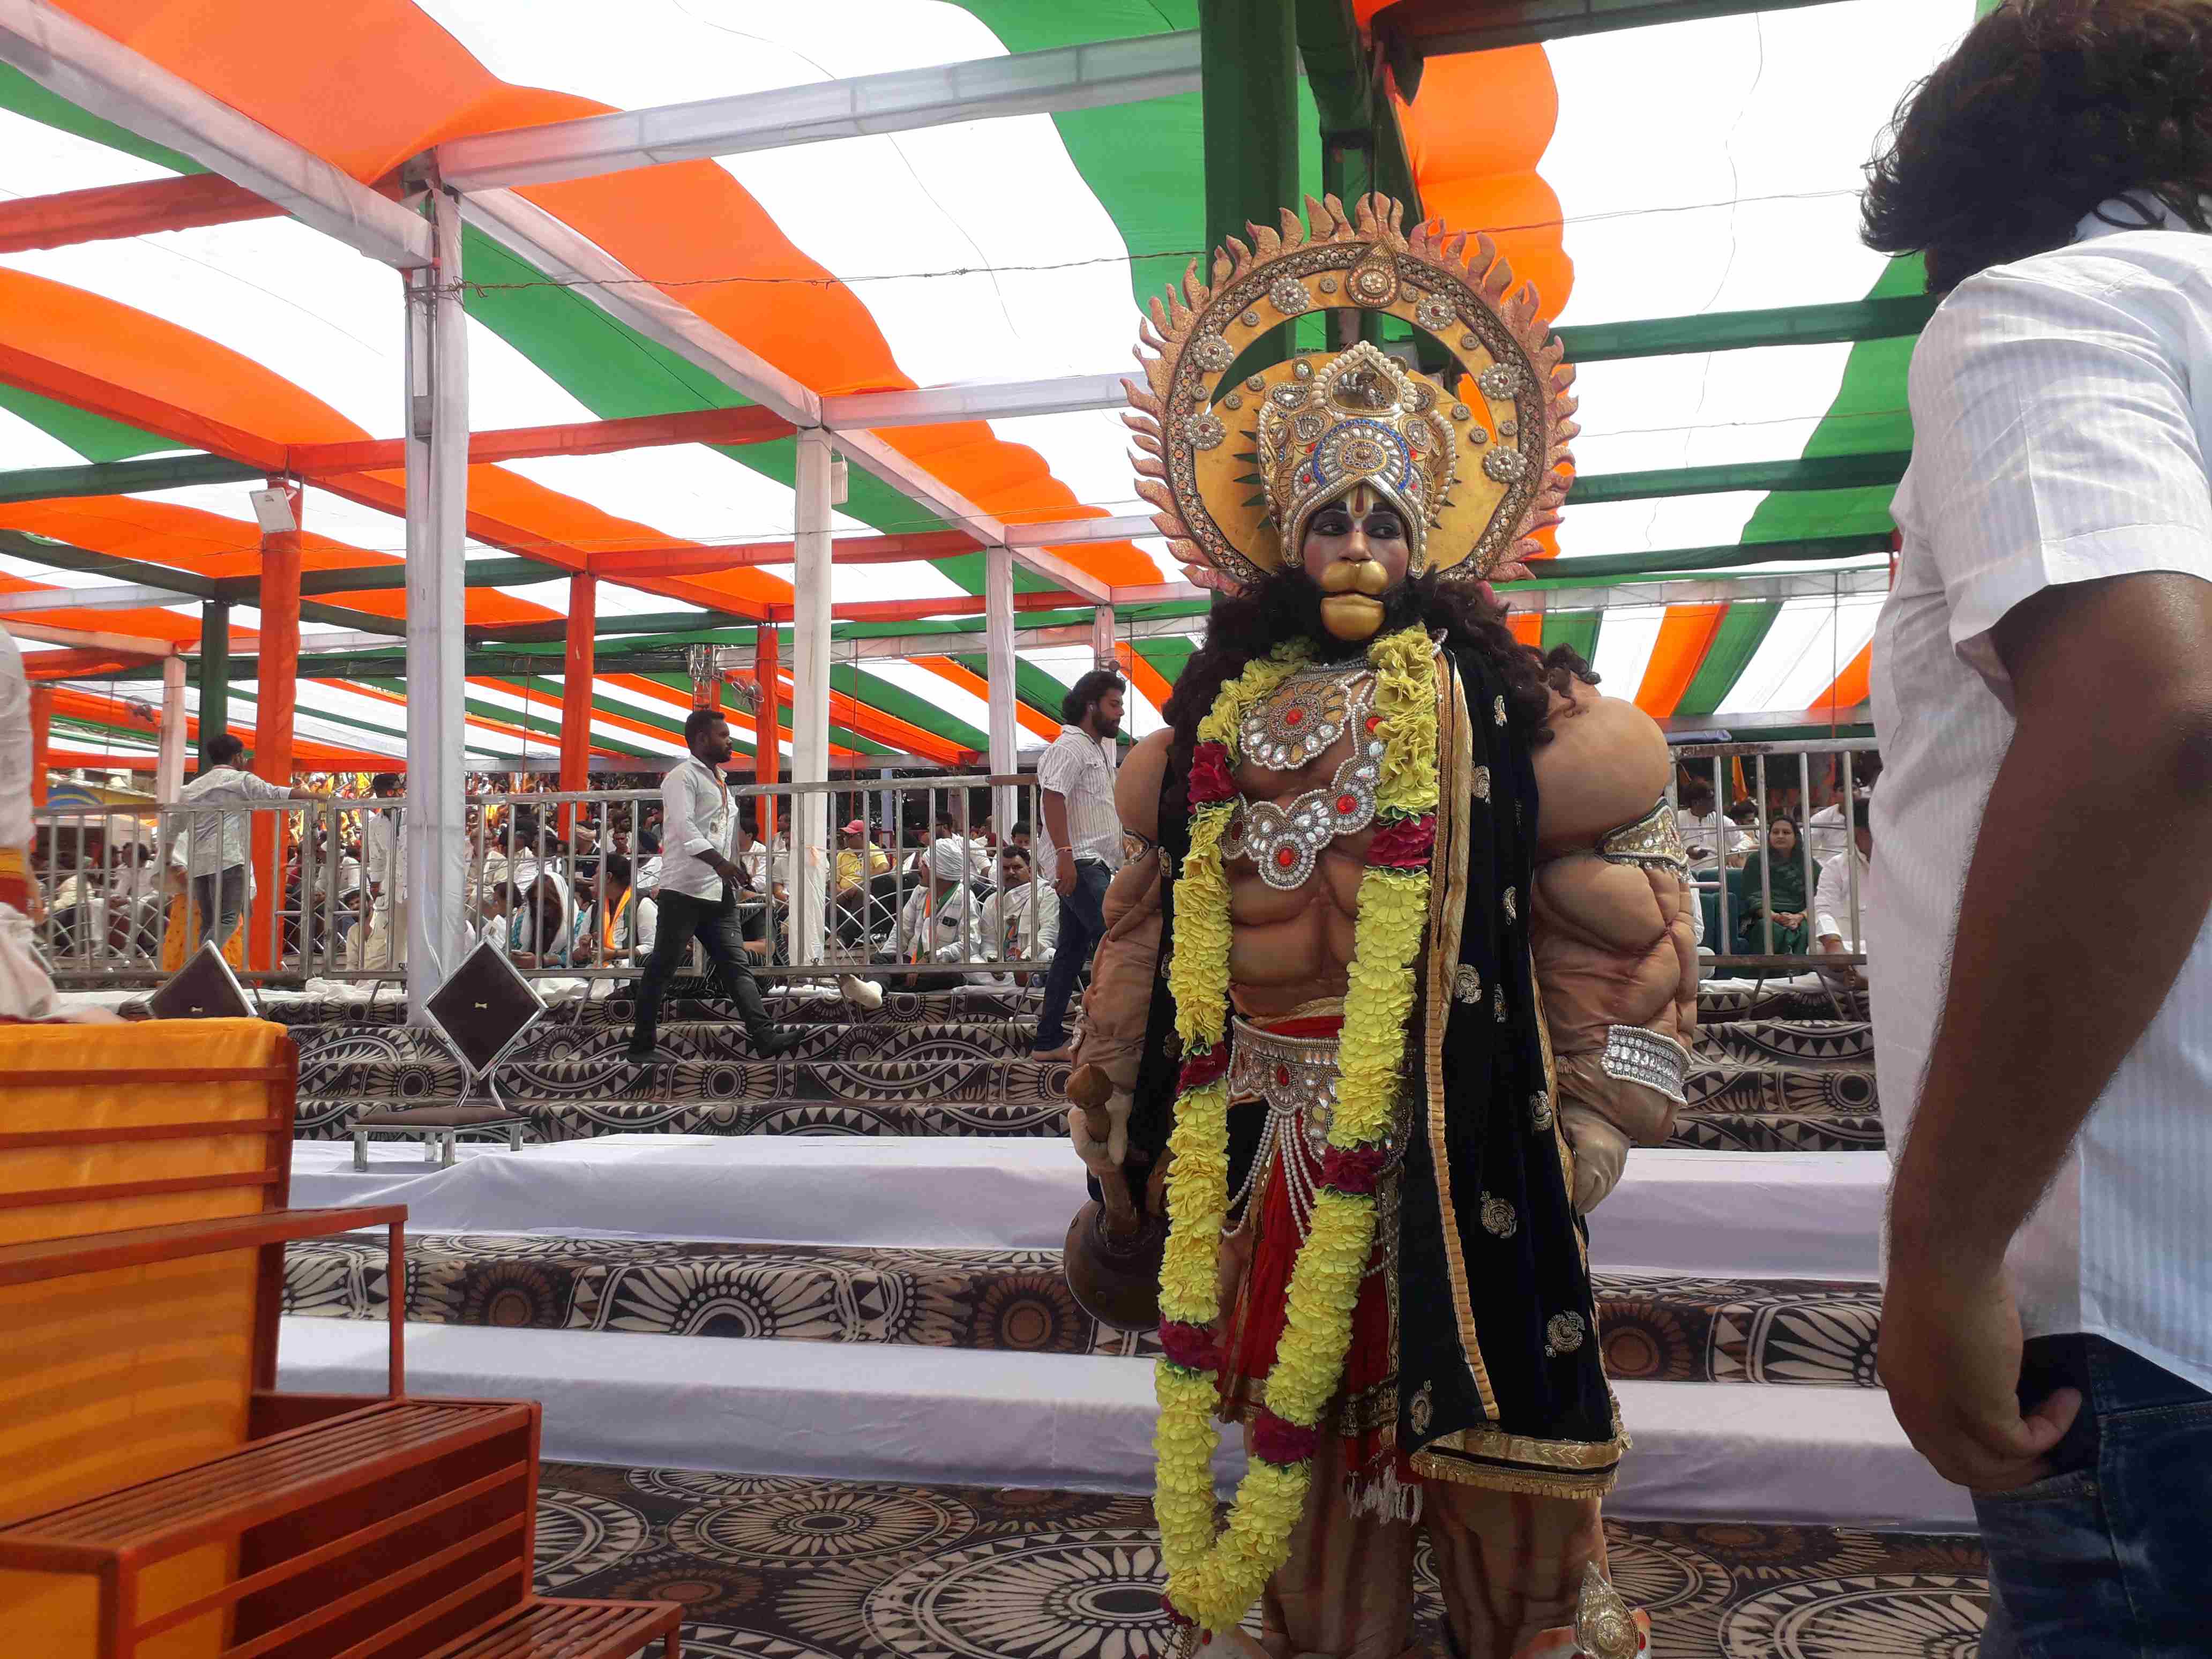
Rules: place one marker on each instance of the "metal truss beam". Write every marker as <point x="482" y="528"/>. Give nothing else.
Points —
<point x="569" y="258"/>
<point x="900" y="100"/>
<point x="132" y="596"/>
<point x="1851" y="320"/>
<point x="937" y="405"/>
<point x="60" y="556"/>
<point x="1066" y="532"/>
<point x="44" y="483"/>
<point x="1814" y="472"/>
<point x="539" y="238"/>
<point x="910" y="478"/>
<point x="1595" y="342"/>
<point x="703" y="426"/>
<point x="98" y="73"/>
<point x="1736" y="590"/>
<point x="121" y="645"/>
<point x="694" y="561"/>
<point x="1552" y="573"/>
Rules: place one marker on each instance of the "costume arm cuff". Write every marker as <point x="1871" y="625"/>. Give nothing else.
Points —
<point x="1633" y="1055"/>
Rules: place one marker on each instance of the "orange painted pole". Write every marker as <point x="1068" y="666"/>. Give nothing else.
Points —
<point x="42" y="740"/>
<point x="767" y="726"/>
<point x="277" y="693"/>
<point x="576" y="692"/>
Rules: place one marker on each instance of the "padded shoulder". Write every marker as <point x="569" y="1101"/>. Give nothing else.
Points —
<point x="1137" y="785"/>
<point x="1607" y="763"/>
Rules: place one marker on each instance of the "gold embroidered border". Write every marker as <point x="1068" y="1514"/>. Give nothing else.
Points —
<point x="1447" y="916"/>
<point x="1430" y="1468"/>
<point x="1550" y="1468"/>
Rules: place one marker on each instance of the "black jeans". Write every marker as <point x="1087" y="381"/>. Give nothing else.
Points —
<point x="1082" y="925"/>
<point x="714" y="923"/>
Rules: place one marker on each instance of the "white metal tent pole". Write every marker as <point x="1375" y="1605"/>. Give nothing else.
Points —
<point x="810" y="694"/>
<point x="169" y="769"/>
<point x="437" y="453"/>
<point x="999" y="661"/>
<point x="1102" y="639"/>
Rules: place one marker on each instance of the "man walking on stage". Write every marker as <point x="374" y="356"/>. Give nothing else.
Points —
<point x="1076" y="780"/>
<point x="698" y="897"/>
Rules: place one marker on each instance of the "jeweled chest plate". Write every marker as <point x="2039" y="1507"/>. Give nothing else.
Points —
<point x="1284" y="839"/>
<point x="1295" y="724"/>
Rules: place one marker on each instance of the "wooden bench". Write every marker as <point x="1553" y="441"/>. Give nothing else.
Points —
<point x="160" y="1499"/>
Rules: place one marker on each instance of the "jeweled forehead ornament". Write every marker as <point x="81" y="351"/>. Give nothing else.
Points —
<point x="1476" y="466"/>
<point x="1364" y="421"/>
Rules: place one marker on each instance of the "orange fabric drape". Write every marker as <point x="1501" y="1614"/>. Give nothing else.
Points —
<point x="1685" y="636"/>
<point x="1850" y="687"/>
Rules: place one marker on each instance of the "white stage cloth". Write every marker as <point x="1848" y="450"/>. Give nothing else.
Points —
<point x="1792" y="1215"/>
<point x="859" y="1411"/>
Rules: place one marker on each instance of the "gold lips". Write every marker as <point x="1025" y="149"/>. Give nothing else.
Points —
<point x="1353" y="609"/>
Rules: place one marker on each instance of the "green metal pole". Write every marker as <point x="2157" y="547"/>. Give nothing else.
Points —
<point x="1249" y="84"/>
<point x="214" y="671"/>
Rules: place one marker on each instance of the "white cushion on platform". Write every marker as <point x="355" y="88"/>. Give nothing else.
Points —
<point x="879" y="1412"/>
<point x="1796" y="1215"/>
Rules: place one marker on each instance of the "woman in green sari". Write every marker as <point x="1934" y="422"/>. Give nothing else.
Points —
<point x="1774" y="879"/>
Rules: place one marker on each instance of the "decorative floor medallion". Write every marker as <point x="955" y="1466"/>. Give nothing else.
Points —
<point x="1916" y="1617"/>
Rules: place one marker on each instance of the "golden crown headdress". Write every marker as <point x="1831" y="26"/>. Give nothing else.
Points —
<point x="1237" y="471"/>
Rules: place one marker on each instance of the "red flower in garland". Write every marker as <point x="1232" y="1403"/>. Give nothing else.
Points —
<point x="1208" y="1065"/>
<point x="1354" y="1171"/>
<point x="1209" y="776"/>
<point x="1191" y="1346"/>
<point x="1404" y="843"/>
<point x="1274" y="1441"/>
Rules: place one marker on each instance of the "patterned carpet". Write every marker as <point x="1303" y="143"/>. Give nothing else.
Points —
<point x="786" y="1568"/>
<point x="1756" y="1085"/>
<point x="1716" y="1003"/>
<point x="1656" y="1328"/>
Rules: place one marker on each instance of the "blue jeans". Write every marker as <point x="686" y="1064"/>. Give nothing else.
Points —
<point x="2111" y="1557"/>
<point x="220" y="898"/>
<point x="1082" y="925"/>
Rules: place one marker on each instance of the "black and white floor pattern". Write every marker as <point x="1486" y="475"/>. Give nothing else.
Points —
<point x="786" y="1568"/>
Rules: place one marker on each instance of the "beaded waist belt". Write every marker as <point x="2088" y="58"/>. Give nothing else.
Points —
<point x="1294" y="1068"/>
<point x="1294" y="1071"/>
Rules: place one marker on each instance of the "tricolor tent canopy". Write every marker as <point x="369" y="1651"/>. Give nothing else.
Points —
<point x="1683" y="194"/>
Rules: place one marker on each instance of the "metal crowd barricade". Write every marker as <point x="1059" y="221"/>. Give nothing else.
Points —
<point x="326" y="897"/>
<point x="129" y="892"/>
<point x="542" y="882"/>
<point x="1843" y="767"/>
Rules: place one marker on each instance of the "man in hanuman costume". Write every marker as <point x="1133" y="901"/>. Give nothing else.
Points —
<point x="1403" y="969"/>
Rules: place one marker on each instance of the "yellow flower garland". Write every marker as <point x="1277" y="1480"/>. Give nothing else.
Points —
<point x="1213" y="1579"/>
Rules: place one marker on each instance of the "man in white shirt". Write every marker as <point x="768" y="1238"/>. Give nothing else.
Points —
<point x="938" y="910"/>
<point x="2045" y="661"/>
<point x="1019" y="923"/>
<point x="217" y="840"/>
<point x="387" y="944"/>
<point x="1697" y="814"/>
<point x="1075" y="783"/>
<point x="1842" y="903"/>
<point x="698" y="894"/>
<point x="1825" y="831"/>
